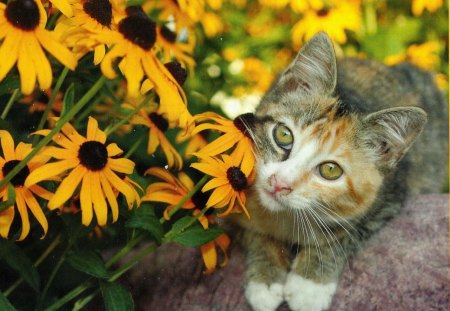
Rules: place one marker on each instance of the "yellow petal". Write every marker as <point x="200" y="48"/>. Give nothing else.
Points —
<point x="110" y="197"/>
<point x="67" y="187"/>
<point x="210" y="169"/>
<point x="220" y="194"/>
<point x="107" y="63"/>
<point x="22" y="208"/>
<point x="72" y="134"/>
<point x="35" y="208"/>
<point x="41" y="192"/>
<point x="121" y="165"/>
<point x="86" y="200"/>
<point x="60" y="153"/>
<point x="209" y="255"/>
<point x="41" y="63"/>
<point x="100" y="207"/>
<point x="223" y="241"/>
<point x="92" y="130"/>
<point x="9" y="51"/>
<point x="99" y="53"/>
<point x="220" y="145"/>
<point x="121" y="186"/>
<point x="26" y="69"/>
<point x="6" y="219"/>
<point x="133" y="72"/>
<point x="214" y="183"/>
<point x="113" y="150"/>
<point x="49" y="170"/>
<point x="7" y="145"/>
<point x="64" y="7"/>
<point x="59" y="51"/>
<point x="153" y="140"/>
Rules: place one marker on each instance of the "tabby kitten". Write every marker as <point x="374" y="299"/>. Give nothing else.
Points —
<point x="330" y="140"/>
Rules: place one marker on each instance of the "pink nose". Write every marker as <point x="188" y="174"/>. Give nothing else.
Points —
<point x="278" y="185"/>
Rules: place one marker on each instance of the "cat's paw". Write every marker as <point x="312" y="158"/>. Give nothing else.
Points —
<point x="264" y="297"/>
<point x="305" y="295"/>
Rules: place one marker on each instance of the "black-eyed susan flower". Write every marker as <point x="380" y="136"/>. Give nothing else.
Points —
<point x="229" y="181"/>
<point x="25" y="195"/>
<point x="158" y="125"/>
<point x="91" y="163"/>
<point x="235" y="134"/>
<point x="334" y="20"/>
<point x="171" y="191"/>
<point x="91" y="19"/>
<point x="22" y="29"/>
<point x="133" y="43"/>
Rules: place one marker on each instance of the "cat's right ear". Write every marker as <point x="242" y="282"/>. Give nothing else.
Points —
<point x="313" y="70"/>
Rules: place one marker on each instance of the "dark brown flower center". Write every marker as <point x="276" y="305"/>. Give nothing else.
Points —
<point x="93" y="155"/>
<point x="244" y="123"/>
<point x="323" y="12"/>
<point x="178" y="72"/>
<point x="237" y="178"/>
<point x="100" y="10"/>
<point x="23" y="14"/>
<point x="19" y="179"/>
<point x="161" y="123"/>
<point x="168" y="34"/>
<point x="138" y="28"/>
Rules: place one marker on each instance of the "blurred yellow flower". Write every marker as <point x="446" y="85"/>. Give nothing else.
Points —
<point x="274" y="4"/>
<point x="423" y="55"/>
<point x="23" y="35"/>
<point x="94" y="165"/>
<point x="25" y="199"/>
<point x="212" y="24"/>
<point x="418" y="6"/>
<point x="258" y="74"/>
<point x="334" y="20"/>
<point x="300" y="6"/>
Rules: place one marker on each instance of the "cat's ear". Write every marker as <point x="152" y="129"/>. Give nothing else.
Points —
<point x="314" y="68"/>
<point x="391" y="132"/>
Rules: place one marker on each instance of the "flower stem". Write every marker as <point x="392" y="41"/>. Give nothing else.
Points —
<point x="186" y="197"/>
<point x="129" y="246"/>
<point x="71" y="295"/>
<point x="114" y="128"/>
<point x="55" y="91"/>
<point x="41" y="258"/>
<point x="171" y="234"/>
<point x="66" y="118"/>
<point x="9" y="104"/>
<point x="133" y="148"/>
<point x="132" y="262"/>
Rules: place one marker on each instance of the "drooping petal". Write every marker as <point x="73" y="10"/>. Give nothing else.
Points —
<point x="22" y="208"/>
<point x="223" y="241"/>
<point x="36" y="209"/>
<point x="110" y="197"/>
<point x="6" y="219"/>
<point x="99" y="53"/>
<point x="98" y="198"/>
<point x="209" y="255"/>
<point x="86" y="200"/>
<point x="59" y="51"/>
<point x="219" y="194"/>
<point x="9" y="51"/>
<point x="67" y="187"/>
<point x="40" y="62"/>
<point x="121" y="186"/>
<point x="26" y="69"/>
<point x="41" y="192"/>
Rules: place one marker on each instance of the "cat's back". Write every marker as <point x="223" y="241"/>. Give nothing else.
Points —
<point x="366" y="86"/>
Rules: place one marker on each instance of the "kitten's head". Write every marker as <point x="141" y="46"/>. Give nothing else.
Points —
<point x="313" y="152"/>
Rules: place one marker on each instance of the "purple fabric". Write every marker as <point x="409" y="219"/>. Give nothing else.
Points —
<point x="404" y="267"/>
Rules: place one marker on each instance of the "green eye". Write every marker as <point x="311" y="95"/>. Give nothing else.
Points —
<point x="283" y="136"/>
<point x="330" y="170"/>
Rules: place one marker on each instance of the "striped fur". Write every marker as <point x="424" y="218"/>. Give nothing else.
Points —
<point x="345" y="113"/>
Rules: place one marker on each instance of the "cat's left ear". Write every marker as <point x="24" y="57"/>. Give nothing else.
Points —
<point x="314" y="68"/>
<point x="391" y="132"/>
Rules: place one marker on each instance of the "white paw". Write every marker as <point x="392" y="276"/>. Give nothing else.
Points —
<point x="264" y="297"/>
<point x="305" y="295"/>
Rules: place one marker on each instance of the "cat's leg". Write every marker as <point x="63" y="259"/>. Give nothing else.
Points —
<point x="267" y="263"/>
<point x="312" y="281"/>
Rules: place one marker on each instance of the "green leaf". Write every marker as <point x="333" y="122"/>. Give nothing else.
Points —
<point x="194" y="235"/>
<point x="5" y="305"/>
<point x="89" y="262"/>
<point x="144" y="218"/>
<point x="69" y="99"/>
<point x="9" y="84"/>
<point x="19" y="261"/>
<point x="116" y="297"/>
<point x="11" y="198"/>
